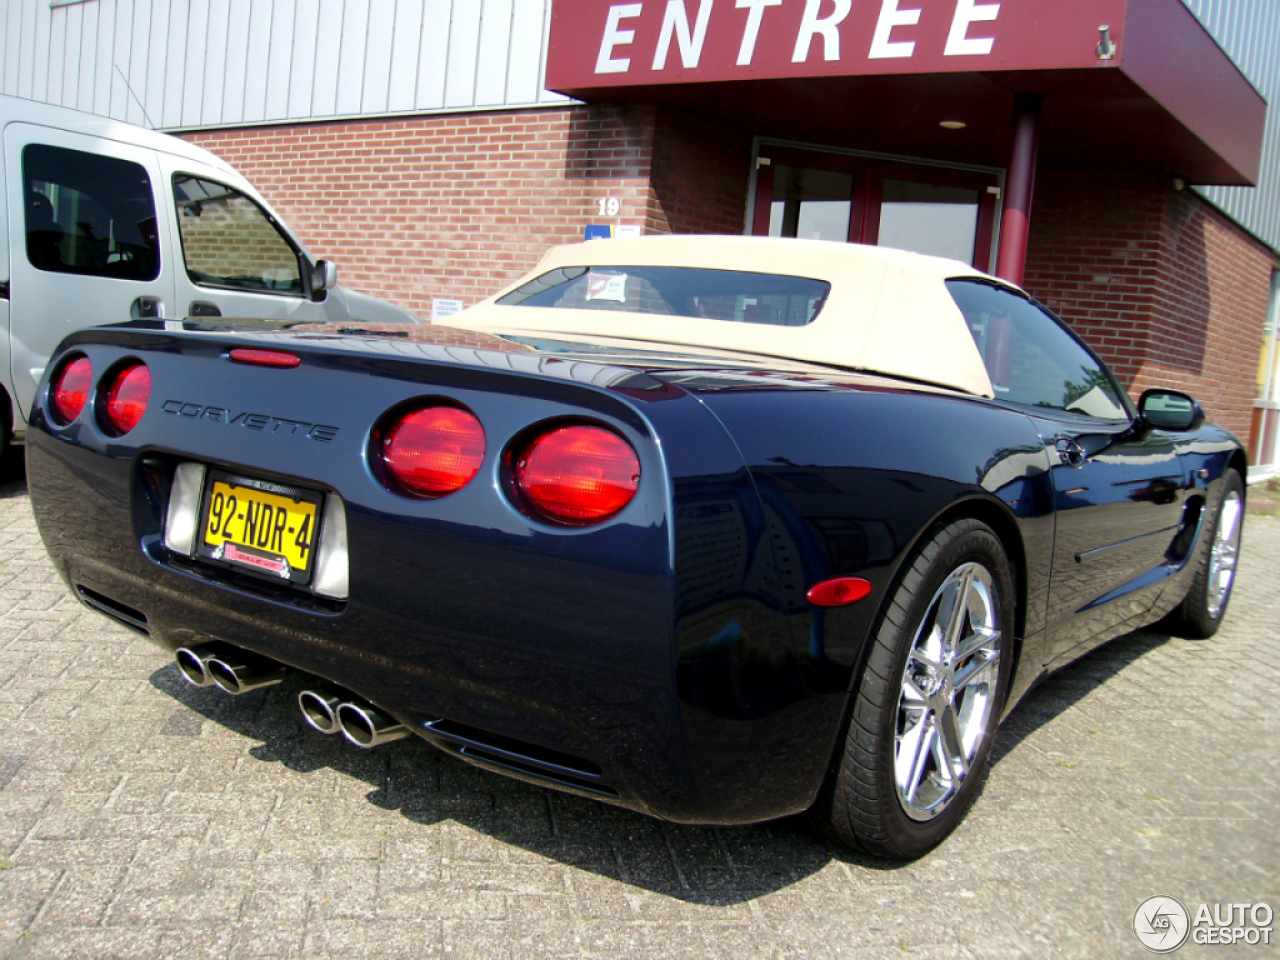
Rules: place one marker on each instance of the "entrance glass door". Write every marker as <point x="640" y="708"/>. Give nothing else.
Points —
<point x="816" y="195"/>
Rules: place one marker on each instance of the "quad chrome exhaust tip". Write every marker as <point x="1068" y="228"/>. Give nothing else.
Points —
<point x="334" y="710"/>
<point x="193" y="661"/>
<point x="319" y="708"/>
<point x="368" y="726"/>
<point x="229" y="668"/>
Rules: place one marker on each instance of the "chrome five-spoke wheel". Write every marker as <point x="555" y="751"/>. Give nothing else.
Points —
<point x="1213" y="567"/>
<point x="929" y="697"/>
<point x="1224" y="552"/>
<point x="946" y="702"/>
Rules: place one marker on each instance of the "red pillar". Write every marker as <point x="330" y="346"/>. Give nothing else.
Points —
<point x="1019" y="185"/>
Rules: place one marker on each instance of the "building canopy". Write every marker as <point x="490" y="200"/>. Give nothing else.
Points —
<point x="1123" y="82"/>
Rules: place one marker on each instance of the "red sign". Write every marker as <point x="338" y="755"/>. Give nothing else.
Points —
<point x="611" y="43"/>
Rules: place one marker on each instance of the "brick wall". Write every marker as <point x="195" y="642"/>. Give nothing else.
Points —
<point x="1167" y="289"/>
<point x="445" y="206"/>
<point x="458" y="206"/>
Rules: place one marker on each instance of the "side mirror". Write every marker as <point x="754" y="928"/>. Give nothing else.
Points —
<point x="1170" y="410"/>
<point x="324" y="277"/>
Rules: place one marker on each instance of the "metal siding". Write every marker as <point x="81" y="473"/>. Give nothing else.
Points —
<point x="174" y="73"/>
<point x="524" y="63"/>
<point x="462" y="58"/>
<point x="106" y="44"/>
<point x="1249" y="31"/>
<point x="56" y="54"/>
<point x="200" y="63"/>
<point x="122" y="38"/>
<point x="151" y="87"/>
<point x="73" y="58"/>
<point x="355" y="29"/>
<point x="135" y="67"/>
<point x="39" y="85"/>
<point x="324" y="78"/>
<point x="237" y="61"/>
<point x="279" y="60"/>
<point x="302" y="72"/>
<point x="198" y="53"/>
<point x="377" y="57"/>
<point x="493" y="54"/>
<point x="215" y="65"/>
<point x="255" y="73"/>
<point x="434" y="54"/>
<point x="405" y="47"/>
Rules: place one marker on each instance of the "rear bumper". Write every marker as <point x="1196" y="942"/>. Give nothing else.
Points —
<point x="556" y="667"/>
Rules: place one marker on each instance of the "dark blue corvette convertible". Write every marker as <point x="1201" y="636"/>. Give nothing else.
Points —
<point x="717" y="529"/>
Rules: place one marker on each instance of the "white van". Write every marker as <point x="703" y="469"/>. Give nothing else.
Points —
<point x="104" y="221"/>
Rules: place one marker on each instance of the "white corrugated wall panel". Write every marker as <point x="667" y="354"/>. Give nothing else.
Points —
<point x="136" y="67"/>
<point x="56" y="55"/>
<point x="39" y="83"/>
<point x="192" y="63"/>
<point x="377" y="57"/>
<point x="102" y="74"/>
<point x="324" y="78"/>
<point x="158" y="35"/>
<point x="306" y="25"/>
<point x="195" y="38"/>
<point x="164" y="80"/>
<point x="524" y="62"/>
<point x="255" y="72"/>
<point x="279" y="61"/>
<point x="406" y="44"/>
<point x="237" y="62"/>
<point x="433" y="54"/>
<point x="123" y="39"/>
<point x="355" y="31"/>
<point x="90" y="56"/>
<point x="215" y="64"/>
<point x="461" y="64"/>
<point x="493" y="53"/>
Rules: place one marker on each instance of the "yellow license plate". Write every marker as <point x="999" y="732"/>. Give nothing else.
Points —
<point x="263" y="527"/>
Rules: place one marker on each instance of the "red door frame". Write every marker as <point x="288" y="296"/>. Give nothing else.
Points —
<point x="869" y="174"/>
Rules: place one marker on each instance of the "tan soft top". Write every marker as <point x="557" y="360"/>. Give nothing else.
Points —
<point x="888" y="310"/>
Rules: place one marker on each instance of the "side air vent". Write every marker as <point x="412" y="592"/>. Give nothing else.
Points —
<point x="525" y="760"/>
<point x="119" y="612"/>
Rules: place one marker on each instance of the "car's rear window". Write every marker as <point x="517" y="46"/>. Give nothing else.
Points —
<point x="677" y="292"/>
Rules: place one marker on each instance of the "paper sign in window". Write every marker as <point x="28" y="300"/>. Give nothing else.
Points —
<point x="607" y="286"/>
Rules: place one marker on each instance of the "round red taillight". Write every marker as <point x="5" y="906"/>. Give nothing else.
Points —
<point x="127" y="397"/>
<point x="71" y="389"/>
<point x="433" y="451"/>
<point x="578" y="474"/>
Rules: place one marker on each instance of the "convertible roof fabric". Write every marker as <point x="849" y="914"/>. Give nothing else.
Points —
<point x="888" y="311"/>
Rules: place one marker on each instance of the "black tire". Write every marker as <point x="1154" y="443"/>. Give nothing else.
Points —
<point x="1203" y="608"/>
<point x="862" y="804"/>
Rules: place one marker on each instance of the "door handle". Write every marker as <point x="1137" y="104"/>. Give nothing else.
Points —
<point x="147" y="308"/>
<point x="1070" y="452"/>
<point x="203" y="308"/>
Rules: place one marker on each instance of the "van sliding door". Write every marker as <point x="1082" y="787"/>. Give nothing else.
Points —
<point x="86" y="245"/>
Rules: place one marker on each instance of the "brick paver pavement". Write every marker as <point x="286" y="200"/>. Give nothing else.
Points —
<point x="140" y="817"/>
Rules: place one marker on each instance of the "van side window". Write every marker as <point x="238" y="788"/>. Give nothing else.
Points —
<point x="89" y="214"/>
<point x="229" y="241"/>
<point x="1030" y="356"/>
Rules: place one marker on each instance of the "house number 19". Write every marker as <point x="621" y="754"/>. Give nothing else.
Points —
<point x="609" y="206"/>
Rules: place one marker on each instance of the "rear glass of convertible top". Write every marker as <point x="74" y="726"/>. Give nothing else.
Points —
<point x="731" y="295"/>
